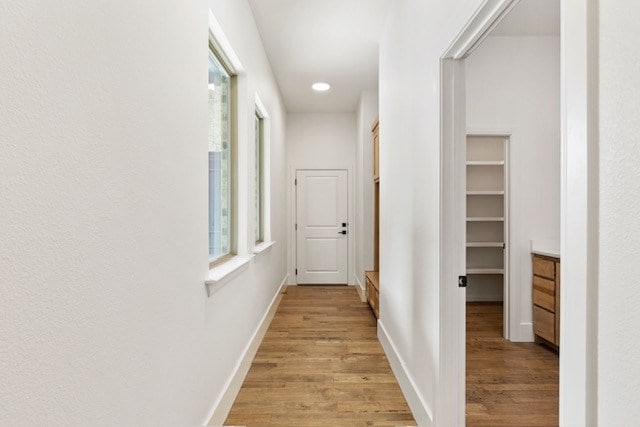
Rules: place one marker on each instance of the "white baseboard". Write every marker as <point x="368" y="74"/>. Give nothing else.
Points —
<point x="220" y="410"/>
<point x="526" y="332"/>
<point x="361" y="290"/>
<point x="417" y="405"/>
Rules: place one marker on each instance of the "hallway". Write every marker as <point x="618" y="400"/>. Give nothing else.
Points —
<point x="196" y="198"/>
<point x="320" y="364"/>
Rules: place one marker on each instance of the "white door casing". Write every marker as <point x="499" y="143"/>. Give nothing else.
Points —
<point x="321" y="220"/>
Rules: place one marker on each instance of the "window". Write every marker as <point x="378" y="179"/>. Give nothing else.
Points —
<point x="258" y="196"/>
<point x="220" y="164"/>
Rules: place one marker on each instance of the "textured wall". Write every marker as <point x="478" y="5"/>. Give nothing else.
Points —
<point x="417" y="34"/>
<point x="618" y="298"/>
<point x="105" y="318"/>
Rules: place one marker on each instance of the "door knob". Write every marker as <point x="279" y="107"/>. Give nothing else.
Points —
<point x="342" y="232"/>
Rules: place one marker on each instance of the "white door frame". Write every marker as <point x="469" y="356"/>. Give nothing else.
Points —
<point x="293" y="214"/>
<point x="579" y="222"/>
<point x="450" y="399"/>
<point x="578" y="359"/>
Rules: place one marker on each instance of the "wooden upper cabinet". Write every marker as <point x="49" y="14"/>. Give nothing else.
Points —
<point x="376" y="150"/>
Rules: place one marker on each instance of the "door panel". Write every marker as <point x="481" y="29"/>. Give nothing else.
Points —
<point x="322" y="254"/>
<point x="321" y="211"/>
<point x="322" y="203"/>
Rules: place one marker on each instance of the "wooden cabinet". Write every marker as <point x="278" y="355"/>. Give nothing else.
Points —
<point x="546" y="299"/>
<point x="376" y="151"/>
<point x="373" y="285"/>
<point x="544" y="267"/>
<point x="544" y="293"/>
<point x="373" y="291"/>
<point x="544" y="324"/>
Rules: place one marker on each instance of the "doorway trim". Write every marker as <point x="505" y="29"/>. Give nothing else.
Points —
<point x="579" y="211"/>
<point x="451" y="400"/>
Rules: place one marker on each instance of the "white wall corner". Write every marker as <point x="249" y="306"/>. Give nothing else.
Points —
<point x="419" y="409"/>
<point x="221" y="408"/>
<point x="361" y="290"/>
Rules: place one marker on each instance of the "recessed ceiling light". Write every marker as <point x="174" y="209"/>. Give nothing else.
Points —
<point x="321" y="86"/>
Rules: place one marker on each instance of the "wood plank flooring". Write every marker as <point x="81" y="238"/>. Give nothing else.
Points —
<point x="508" y="384"/>
<point x="320" y="364"/>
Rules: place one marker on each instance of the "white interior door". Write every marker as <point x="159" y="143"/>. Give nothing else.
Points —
<point x="322" y="226"/>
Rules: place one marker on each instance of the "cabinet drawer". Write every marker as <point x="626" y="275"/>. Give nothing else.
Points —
<point x="373" y="298"/>
<point x="544" y="268"/>
<point x="557" y="303"/>
<point x="544" y="293"/>
<point x="544" y="324"/>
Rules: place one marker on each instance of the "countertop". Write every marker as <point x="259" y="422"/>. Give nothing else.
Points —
<point x="550" y="248"/>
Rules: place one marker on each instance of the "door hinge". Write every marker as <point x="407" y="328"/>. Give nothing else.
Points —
<point x="296" y="271"/>
<point x="462" y="281"/>
<point x="296" y="226"/>
<point x="296" y="181"/>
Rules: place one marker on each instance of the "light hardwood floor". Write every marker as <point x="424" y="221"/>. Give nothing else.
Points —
<point x="508" y="384"/>
<point x="320" y="364"/>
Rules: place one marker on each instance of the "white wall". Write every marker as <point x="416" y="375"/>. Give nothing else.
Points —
<point x="618" y="376"/>
<point x="103" y="181"/>
<point x="599" y="373"/>
<point x="513" y="85"/>
<point x="320" y="141"/>
<point x="580" y="209"/>
<point x="417" y="35"/>
<point x="365" y="116"/>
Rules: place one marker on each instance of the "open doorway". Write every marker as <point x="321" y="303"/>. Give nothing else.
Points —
<point x="501" y="98"/>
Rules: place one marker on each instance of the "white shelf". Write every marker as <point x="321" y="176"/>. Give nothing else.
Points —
<point x="485" y="219"/>
<point x="487" y="216"/>
<point x="485" y="271"/>
<point x="484" y="244"/>
<point x="485" y="193"/>
<point x="485" y="163"/>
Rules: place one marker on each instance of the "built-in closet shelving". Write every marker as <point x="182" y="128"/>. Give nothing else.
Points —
<point x="486" y="216"/>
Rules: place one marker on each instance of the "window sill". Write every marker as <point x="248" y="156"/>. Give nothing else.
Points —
<point x="263" y="247"/>
<point x="222" y="274"/>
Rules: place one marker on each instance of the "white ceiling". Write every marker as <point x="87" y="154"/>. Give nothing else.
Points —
<point x="531" y="18"/>
<point x="335" y="41"/>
